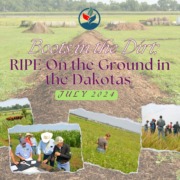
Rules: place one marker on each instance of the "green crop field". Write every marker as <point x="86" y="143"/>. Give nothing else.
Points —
<point x="15" y="44"/>
<point x="73" y="138"/>
<point x="123" y="146"/>
<point x="170" y="142"/>
<point x="4" y="124"/>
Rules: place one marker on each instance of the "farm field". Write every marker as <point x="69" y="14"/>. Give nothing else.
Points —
<point x="16" y="45"/>
<point x="170" y="142"/>
<point x="123" y="146"/>
<point x="5" y="124"/>
<point x="70" y="137"/>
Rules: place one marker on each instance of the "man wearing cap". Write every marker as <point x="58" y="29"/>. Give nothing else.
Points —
<point x="62" y="154"/>
<point x="23" y="150"/>
<point x="102" y="143"/>
<point x="46" y="146"/>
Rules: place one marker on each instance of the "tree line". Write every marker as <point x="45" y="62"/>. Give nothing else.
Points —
<point x="77" y="5"/>
<point x="14" y="107"/>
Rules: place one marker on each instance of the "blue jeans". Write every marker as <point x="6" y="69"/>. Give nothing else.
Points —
<point x="101" y="150"/>
<point x="65" y="166"/>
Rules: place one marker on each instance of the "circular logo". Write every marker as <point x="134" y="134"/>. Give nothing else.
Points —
<point x="89" y="18"/>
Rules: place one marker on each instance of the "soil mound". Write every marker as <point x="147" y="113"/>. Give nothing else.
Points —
<point x="125" y="26"/>
<point x="131" y="98"/>
<point x="39" y="28"/>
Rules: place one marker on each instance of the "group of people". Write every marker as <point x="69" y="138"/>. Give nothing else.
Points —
<point x="163" y="129"/>
<point x="50" y="149"/>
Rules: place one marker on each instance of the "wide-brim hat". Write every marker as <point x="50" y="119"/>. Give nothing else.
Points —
<point x="46" y="137"/>
<point x="29" y="134"/>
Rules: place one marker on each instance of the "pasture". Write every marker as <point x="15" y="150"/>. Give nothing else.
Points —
<point x="123" y="146"/>
<point x="6" y="124"/>
<point x="15" y="44"/>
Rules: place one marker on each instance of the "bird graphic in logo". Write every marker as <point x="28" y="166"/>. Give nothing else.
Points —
<point x="89" y="18"/>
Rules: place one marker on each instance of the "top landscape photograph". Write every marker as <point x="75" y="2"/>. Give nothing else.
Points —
<point x="152" y="28"/>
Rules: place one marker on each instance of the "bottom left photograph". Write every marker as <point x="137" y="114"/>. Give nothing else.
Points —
<point x="45" y="148"/>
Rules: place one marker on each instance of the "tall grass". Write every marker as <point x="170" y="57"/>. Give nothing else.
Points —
<point x="170" y="142"/>
<point x="123" y="146"/>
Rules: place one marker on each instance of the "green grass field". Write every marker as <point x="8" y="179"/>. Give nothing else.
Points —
<point x="4" y="124"/>
<point x="76" y="160"/>
<point x="15" y="44"/>
<point x="123" y="146"/>
<point x="170" y="142"/>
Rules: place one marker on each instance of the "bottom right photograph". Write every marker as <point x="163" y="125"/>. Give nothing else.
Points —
<point x="161" y="127"/>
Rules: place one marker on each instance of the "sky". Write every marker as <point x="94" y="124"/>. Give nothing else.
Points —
<point x="107" y="1"/>
<point x="124" y="123"/>
<point x="11" y="102"/>
<point x="44" y="127"/>
<point x="170" y="113"/>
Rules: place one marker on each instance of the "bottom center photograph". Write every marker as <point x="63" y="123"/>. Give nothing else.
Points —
<point x="107" y="141"/>
<point x="45" y="148"/>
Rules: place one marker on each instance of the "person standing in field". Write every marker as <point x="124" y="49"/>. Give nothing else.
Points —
<point x="166" y="130"/>
<point x="34" y="144"/>
<point x="170" y="127"/>
<point x="28" y="138"/>
<point x="161" y="123"/>
<point x="176" y="128"/>
<point x="102" y="143"/>
<point x="153" y="126"/>
<point x="31" y="141"/>
<point x="146" y="126"/>
<point x="46" y="146"/>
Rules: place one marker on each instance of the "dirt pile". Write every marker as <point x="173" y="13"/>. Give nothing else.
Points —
<point x="125" y="26"/>
<point x="39" y="28"/>
<point x="131" y="98"/>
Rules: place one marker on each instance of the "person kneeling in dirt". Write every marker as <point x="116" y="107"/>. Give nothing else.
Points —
<point x="102" y="143"/>
<point x="62" y="153"/>
<point x="46" y="146"/>
<point x="161" y="123"/>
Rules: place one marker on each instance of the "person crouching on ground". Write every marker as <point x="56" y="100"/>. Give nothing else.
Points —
<point x="46" y="146"/>
<point x="102" y="143"/>
<point x="23" y="150"/>
<point x="62" y="153"/>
